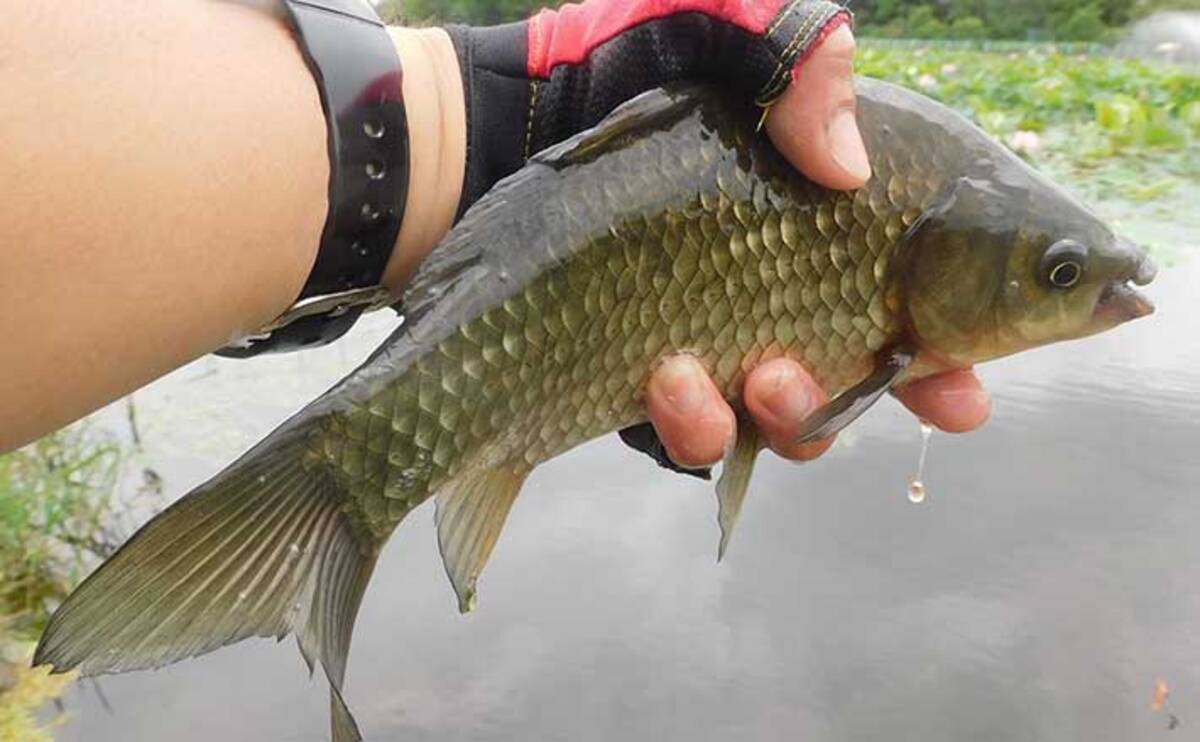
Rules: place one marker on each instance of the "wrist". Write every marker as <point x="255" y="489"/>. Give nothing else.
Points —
<point x="437" y="127"/>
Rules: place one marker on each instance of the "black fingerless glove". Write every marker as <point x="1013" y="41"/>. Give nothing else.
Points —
<point x="532" y="84"/>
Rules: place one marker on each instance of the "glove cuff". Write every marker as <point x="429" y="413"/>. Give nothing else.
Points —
<point x="796" y="33"/>
<point x="496" y="89"/>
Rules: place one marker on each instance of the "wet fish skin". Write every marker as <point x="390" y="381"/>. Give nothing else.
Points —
<point x="697" y="239"/>
<point x="684" y="231"/>
<point x="672" y="227"/>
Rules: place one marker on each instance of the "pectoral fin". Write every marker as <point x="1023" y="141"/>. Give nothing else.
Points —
<point x="852" y="403"/>
<point x="471" y="510"/>
<point x="735" y="478"/>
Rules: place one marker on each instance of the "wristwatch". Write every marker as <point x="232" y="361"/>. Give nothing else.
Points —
<point x="359" y="77"/>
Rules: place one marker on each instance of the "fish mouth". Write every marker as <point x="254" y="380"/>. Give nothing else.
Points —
<point x="1120" y="302"/>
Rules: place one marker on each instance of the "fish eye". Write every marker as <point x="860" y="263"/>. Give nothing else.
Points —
<point x="1063" y="264"/>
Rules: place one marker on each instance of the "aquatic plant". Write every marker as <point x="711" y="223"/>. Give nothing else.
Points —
<point x="24" y="690"/>
<point x="54" y="499"/>
<point x="1116" y="130"/>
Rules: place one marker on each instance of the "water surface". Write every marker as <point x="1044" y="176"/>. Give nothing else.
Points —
<point x="1050" y="577"/>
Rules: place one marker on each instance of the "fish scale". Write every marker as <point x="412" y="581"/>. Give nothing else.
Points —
<point x="739" y="261"/>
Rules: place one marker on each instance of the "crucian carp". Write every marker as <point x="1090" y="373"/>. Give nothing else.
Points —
<point x="671" y="227"/>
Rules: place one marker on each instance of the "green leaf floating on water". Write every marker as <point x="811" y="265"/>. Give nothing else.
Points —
<point x="1122" y="113"/>
<point x="1190" y="114"/>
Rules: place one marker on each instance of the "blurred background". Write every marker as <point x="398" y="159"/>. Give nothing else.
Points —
<point x="1019" y="20"/>
<point x="1048" y="590"/>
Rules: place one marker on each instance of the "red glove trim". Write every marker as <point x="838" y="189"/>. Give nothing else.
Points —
<point x="570" y="34"/>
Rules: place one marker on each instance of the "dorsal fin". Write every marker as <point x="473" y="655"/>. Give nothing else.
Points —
<point x="462" y="254"/>
<point x="651" y="111"/>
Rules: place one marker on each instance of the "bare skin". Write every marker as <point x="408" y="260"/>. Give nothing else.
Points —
<point x="164" y="190"/>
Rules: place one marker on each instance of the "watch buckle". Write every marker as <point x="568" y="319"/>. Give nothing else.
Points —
<point x="336" y="304"/>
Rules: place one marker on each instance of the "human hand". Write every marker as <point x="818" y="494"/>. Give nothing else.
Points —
<point x="813" y="125"/>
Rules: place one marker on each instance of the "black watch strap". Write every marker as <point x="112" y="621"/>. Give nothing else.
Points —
<point x="359" y="78"/>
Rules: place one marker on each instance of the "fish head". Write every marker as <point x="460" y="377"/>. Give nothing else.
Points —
<point x="1009" y="261"/>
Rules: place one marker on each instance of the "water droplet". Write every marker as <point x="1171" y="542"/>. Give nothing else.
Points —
<point x="916" y="488"/>
<point x="370" y="212"/>
<point x="375" y="170"/>
<point x="262" y="478"/>
<point x="504" y="277"/>
<point x="294" y="551"/>
<point x="241" y="596"/>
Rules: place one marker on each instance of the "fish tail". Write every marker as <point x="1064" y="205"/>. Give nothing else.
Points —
<point x="262" y="549"/>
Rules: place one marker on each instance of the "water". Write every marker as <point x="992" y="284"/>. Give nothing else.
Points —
<point x="916" y="488"/>
<point x="1038" y="596"/>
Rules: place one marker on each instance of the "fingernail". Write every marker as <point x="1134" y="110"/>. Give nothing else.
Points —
<point x="847" y="146"/>
<point x="789" y="401"/>
<point x="682" y="385"/>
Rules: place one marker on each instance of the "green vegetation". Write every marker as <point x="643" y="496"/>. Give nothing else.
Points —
<point x="1035" y="20"/>
<point x="1123" y="133"/>
<point x="478" y="12"/>
<point x="1062" y="20"/>
<point x="1086" y="111"/>
<point x="54" y="498"/>
<point x="1147" y="7"/>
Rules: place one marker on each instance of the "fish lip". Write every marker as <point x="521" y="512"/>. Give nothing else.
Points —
<point x="1120" y="302"/>
<point x="1146" y="271"/>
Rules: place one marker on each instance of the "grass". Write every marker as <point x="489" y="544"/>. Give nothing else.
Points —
<point x="55" y="496"/>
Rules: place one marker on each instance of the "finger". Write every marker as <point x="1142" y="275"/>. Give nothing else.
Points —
<point x="814" y="123"/>
<point x="692" y="419"/>
<point x="780" y="395"/>
<point x="955" y="401"/>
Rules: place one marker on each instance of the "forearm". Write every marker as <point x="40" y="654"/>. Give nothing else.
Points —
<point x="163" y="187"/>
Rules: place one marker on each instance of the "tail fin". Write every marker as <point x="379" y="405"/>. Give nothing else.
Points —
<point x="262" y="549"/>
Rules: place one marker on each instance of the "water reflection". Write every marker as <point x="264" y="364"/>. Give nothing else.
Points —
<point x="1037" y="596"/>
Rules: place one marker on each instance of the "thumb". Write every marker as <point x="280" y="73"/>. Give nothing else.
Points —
<point x="814" y="123"/>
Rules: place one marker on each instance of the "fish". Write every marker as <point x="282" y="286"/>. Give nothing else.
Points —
<point x="673" y="226"/>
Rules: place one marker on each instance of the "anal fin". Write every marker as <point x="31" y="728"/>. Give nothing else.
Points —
<point x="735" y="478"/>
<point x="852" y="403"/>
<point x="471" y="510"/>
